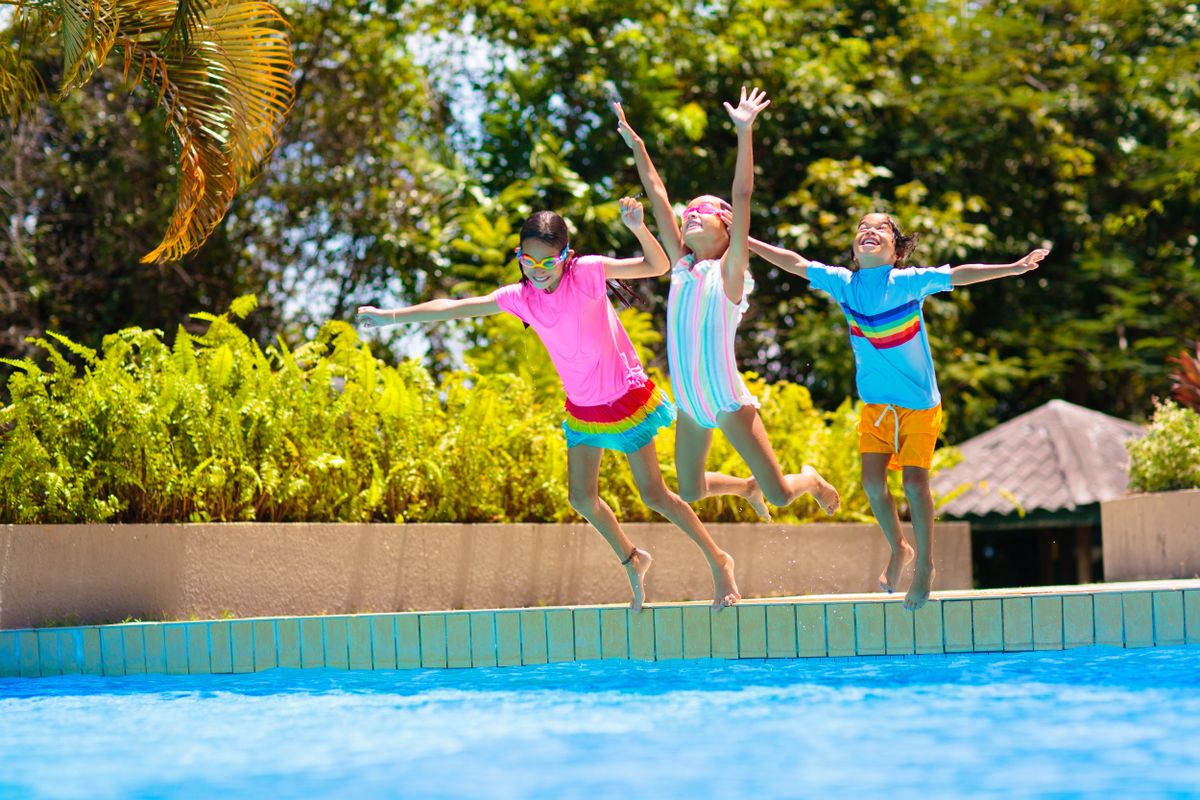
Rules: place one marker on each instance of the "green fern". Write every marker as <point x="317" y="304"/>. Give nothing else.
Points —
<point x="215" y="427"/>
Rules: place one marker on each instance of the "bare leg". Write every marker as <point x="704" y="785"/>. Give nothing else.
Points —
<point x="874" y="477"/>
<point x="920" y="505"/>
<point x="656" y="495"/>
<point x="583" y="481"/>
<point x="692" y="441"/>
<point x="744" y="430"/>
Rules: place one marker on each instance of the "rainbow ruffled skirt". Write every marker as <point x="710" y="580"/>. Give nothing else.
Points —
<point x="626" y="425"/>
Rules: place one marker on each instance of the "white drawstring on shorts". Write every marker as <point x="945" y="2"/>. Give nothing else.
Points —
<point x="896" y="433"/>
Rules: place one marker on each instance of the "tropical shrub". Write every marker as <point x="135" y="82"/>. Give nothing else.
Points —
<point x="216" y="427"/>
<point x="1168" y="456"/>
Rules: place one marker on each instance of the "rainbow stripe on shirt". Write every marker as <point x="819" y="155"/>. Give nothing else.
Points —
<point x="887" y="329"/>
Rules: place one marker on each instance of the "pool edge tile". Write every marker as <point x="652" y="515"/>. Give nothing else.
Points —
<point x="987" y="625"/>
<point x="508" y="639"/>
<point x="458" y="640"/>
<point x="241" y="643"/>
<point x="781" y="631"/>
<point x="723" y="623"/>
<point x="265" y="644"/>
<point x="1016" y="616"/>
<point x="1048" y="625"/>
<point x="49" y="660"/>
<point x="957" y="626"/>
<point x="928" y="631"/>
<point x="614" y="633"/>
<point x="1168" y="619"/>
<point x="588" y="645"/>
<point x="358" y="643"/>
<point x="433" y="640"/>
<point x="899" y="630"/>
<point x="1138" y="618"/>
<point x="535" y="648"/>
<point x="811" y="639"/>
<point x="870" y="624"/>
<point x="697" y="632"/>
<point x="752" y="631"/>
<point x="668" y="633"/>
<point x="1109" y="619"/>
<point x="1079" y="621"/>
<point x="560" y="636"/>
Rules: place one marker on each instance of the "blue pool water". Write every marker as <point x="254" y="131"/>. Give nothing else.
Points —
<point x="1097" y="722"/>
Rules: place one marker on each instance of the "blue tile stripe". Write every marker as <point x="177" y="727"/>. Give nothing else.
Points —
<point x="1123" y="616"/>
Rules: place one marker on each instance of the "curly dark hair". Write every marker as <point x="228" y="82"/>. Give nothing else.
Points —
<point x="905" y="243"/>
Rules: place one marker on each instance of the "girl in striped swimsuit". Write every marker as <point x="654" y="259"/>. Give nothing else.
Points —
<point x="709" y="288"/>
<point x="611" y="403"/>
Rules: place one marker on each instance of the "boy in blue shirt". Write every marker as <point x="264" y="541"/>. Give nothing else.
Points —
<point x="894" y="373"/>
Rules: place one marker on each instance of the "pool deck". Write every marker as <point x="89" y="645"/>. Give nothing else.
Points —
<point x="1130" y="615"/>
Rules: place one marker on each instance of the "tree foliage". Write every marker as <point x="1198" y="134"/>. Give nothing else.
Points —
<point x="423" y="133"/>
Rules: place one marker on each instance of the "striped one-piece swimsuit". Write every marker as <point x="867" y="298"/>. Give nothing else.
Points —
<point x="701" y="327"/>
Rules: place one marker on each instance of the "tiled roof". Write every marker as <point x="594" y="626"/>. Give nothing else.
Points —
<point x="1055" y="458"/>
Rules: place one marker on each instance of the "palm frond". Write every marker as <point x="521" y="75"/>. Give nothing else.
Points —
<point x="226" y="96"/>
<point x="189" y="17"/>
<point x="89" y="29"/>
<point x="20" y="84"/>
<point x="222" y="71"/>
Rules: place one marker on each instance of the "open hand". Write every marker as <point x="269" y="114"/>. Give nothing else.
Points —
<point x="1031" y="261"/>
<point x="623" y="128"/>
<point x="748" y="107"/>
<point x="631" y="213"/>
<point x="371" y="317"/>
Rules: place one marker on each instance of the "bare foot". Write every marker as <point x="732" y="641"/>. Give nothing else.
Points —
<point x="824" y="493"/>
<point x="918" y="592"/>
<point x="636" y="570"/>
<point x="726" y="593"/>
<point x="757" y="501"/>
<point x="901" y="557"/>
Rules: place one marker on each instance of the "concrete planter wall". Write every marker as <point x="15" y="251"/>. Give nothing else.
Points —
<point x="86" y="574"/>
<point x="1152" y="536"/>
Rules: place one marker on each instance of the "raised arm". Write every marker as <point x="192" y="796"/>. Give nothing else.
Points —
<point x="656" y="191"/>
<point x="737" y="257"/>
<point x="433" y="311"/>
<point x="977" y="273"/>
<point x="786" y="260"/>
<point x="654" y="259"/>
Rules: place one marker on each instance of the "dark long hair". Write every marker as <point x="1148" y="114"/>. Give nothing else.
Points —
<point x="548" y="227"/>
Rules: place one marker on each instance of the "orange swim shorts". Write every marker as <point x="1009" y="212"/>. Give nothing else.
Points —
<point x="909" y="434"/>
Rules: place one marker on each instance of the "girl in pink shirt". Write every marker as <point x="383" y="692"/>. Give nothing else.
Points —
<point x="611" y="404"/>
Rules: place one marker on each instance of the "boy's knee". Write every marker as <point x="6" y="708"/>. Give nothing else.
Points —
<point x="916" y="482"/>
<point x="875" y="487"/>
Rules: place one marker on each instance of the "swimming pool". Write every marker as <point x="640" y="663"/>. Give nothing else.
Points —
<point x="1087" y="722"/>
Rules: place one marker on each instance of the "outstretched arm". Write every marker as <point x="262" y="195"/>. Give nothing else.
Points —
<point x="656" y="191"/>
<point x="737" y="257"/>
<point x="432" y="311"/>
<point x="977" y="273"/>
<point x="786" y="260"/>
<point x="654" y="259"/>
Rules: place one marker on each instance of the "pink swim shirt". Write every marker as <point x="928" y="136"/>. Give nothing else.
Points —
<point x="579" y="327"/>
